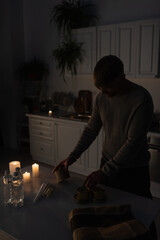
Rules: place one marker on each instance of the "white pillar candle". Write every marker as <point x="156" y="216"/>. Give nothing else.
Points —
<point x="26" y="177"/>
<point x="13" y="165"/>
<point x="50" y="113"/>
<point x="35" y="170"/>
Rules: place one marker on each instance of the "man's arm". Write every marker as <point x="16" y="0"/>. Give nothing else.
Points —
<point x="88" y="135"/>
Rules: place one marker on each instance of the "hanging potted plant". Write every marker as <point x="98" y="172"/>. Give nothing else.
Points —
<point x="68" y="55"/>
<point x="68" y="15"/>
<point x="72" y="14"/>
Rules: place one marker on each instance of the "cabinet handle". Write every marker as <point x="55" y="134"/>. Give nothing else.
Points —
<point x="40" y="122"/>
<point x="41" y="133"/>
<point x="41" y="148"/>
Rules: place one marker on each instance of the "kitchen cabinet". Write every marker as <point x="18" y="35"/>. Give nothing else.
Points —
<point x="126" y="46"/>
<point x="94" y="153"/>
<point x="119" y="40"/>
<point x="53" y="139"/>
<point x="87" y="36"/>
<point x="147" y="48"/>
<point x="106" y="40"/>
<point x="42" y="139"/>
<point x="135" y="43"/>
<point x="67" y="136"/>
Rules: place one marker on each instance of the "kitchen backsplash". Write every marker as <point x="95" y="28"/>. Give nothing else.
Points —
<point x="67" y="101"/>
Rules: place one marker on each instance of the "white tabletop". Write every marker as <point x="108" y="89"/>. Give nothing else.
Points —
<point x="48" y="218"/>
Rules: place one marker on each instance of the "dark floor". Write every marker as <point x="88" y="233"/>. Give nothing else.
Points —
<point x="23" y="155"/>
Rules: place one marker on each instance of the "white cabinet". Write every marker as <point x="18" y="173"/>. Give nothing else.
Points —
<point x="52" y="140"/>
<point x="87" y="36"/>
<point x="94" y="154"/>
<point x="118" y="40"/>
<point x="126" y="46"/>
<point x="67" y="136"/>
<point x="135" y="43"/>
<point x="42" y="139"/>
<point x="106" y="41"/>
<point x="147" y="48"/>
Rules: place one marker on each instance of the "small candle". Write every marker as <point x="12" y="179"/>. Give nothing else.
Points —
<point x="13" y="165"/>
<point x="50" y="113"/>
<point x="35" y="170"/>
<point x="26" y="177"/>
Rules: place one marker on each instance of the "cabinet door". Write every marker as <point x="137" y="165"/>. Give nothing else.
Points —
<point x="125" y="46"/>
<point x="41" y="128"/>
<point x="106" y="40"/>
<point x="68" y="135"/>
<point x="42" y="150"/>
<point x="94" y="154"/>
<point x="147" y="49"/>
<point x="87" y="36"/>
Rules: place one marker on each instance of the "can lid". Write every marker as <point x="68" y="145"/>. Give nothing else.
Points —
<point x="15" y="174"/>
<point x="17" y="169"/>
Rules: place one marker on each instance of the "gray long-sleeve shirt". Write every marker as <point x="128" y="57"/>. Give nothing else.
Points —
<point x="125" y="119"/>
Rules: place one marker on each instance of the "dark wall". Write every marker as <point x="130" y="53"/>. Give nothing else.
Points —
<point x="12" y="53"/>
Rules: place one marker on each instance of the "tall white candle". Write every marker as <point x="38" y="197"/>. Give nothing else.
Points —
<point x="35" y="170"/>
<point x="13" y="165"/>
<point x="26" y="177"/>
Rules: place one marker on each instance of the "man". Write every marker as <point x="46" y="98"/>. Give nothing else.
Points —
<point x="124" y="109"/>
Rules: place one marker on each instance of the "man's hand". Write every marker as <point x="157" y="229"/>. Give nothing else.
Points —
<point x="95" y="178"/>
<point x="64" y="164"/>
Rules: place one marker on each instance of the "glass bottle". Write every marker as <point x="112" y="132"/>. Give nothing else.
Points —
<point x="17" y="169"/>
<point x="17" y="191"/>
<point x="7" y="180"/>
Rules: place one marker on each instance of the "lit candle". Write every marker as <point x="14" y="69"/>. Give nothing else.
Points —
<point x="26" y="177"/>
<point x="35" y="170"/>
<point x="50" y="113"/>
<point x="13" y="165"/>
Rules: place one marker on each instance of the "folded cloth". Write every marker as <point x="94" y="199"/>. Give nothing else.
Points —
<point x="114" y="222"/>
<point x="102" y="216"/>
<point x="129" y="230"/>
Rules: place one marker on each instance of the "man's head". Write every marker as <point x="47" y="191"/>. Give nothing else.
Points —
<point x="108" y="74"/>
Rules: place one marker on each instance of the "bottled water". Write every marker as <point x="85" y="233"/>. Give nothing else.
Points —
<point x="17" y="169"/>
<point x="7" y="180"/>
<point x="17" y="191"/>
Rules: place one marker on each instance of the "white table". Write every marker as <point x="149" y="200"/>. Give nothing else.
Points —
<point x="48" y="218"/>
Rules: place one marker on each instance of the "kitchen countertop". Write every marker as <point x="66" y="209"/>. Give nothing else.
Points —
<point x="60" y="113"/>
<point x="48" y="218"/>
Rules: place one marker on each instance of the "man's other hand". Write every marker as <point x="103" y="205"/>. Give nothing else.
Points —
<point x="97" y="177"/>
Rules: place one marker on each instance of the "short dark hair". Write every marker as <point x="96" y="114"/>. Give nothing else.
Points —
<point x="107" y="69"/>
